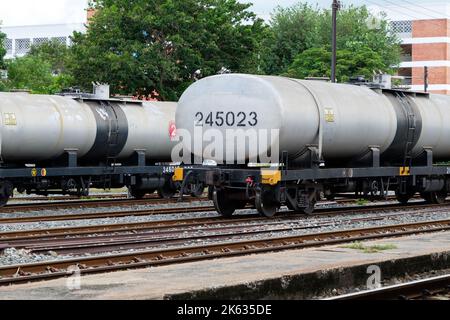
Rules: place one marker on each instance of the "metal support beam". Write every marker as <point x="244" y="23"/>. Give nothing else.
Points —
<point x="335" y="8"/>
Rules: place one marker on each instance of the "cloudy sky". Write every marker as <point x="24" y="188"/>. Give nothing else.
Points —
<point x="30" y="12"/>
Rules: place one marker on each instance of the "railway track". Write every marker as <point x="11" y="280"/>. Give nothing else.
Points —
<point x="197" y="209"/>
<point x="437" y="288"/>
<point x="167" y="233"/>
<point x="91" y="204"/>
<point x="19" y="239"/>
<point x="103" y="215"/>
<point x="180" y="254"/>
<point x="66" y="202"/>
<point x="66" y="198"/>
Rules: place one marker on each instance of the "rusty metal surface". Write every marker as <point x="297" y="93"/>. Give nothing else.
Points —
<point x="97" y="264"/>
<point x="420" y="289"/>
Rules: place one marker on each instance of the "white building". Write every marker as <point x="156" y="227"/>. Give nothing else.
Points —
<point x="20" y="38"/>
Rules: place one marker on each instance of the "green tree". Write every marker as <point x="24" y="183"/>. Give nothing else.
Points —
<point x="2" y="63"/>
<point x="35" y="74"/>
<point x="303" y="27"/>
<point x="2" y="49"/>
<point x="54" y="52"/>
<point x="143" y="46"/>
<point x="292" y="31"/>
<point x="315" y="62"/>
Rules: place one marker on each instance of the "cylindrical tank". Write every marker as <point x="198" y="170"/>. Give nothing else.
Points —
<point x="434" y="113"/>
<point x="343" y="121"/>
<point x="42" y="127"/>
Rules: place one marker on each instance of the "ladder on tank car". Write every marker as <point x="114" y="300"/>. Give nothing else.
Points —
<point x="410" y="135"/>
<point x="113" y="141"/>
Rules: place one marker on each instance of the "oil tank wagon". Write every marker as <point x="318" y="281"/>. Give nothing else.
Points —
<point x="326" y="139"/>
<point x="66" y="144"/>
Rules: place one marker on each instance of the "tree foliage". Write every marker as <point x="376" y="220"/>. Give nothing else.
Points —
<point x="2" y="49"/>
<point x="315" y="62"/>
<point x="143" y="46"/>
<point x="54" y="52"/>
<point x="35" y="74"/>
<point x="303" y="27"/>
<point x="2" y="63"/>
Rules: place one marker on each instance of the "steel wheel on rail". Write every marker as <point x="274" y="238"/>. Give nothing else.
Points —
<point x="6" y="191"/>
<point x="403" y="198"/>
<point x="266" y="204"/>
<point x="437" y="197"/>
<point x="139" y="194"/>
<point x="166" y="192"/>
<point x="222" y="202"/>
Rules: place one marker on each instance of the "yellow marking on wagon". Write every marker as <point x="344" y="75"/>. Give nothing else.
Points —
<point x="270" y="177"/>
<point x="9" y="119"/>
<point x="178" y="175"/>
<point x="405" y="171"/>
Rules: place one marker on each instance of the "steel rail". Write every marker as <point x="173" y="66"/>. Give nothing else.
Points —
<point x="147" y="258"/>
<point x="169" y="233"/>
<point x="118" y="214"/>
<point x="40" y="206"/>
<point x="406" y="291"/>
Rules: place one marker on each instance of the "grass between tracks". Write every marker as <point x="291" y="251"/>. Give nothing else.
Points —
<point x="370" y="249"/>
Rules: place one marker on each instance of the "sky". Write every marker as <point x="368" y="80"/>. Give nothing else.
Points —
<point x="33" y="12"/>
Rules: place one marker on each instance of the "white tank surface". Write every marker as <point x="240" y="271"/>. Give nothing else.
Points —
<point x="435" y="117"/>
<point x="150" y="127"/>
<point x="353" y="117"/>
<point x="42" y="127"/>
<point x="344" y="121"/>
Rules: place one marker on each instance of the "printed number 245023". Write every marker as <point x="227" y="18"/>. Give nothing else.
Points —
<point x="230" y="119"/>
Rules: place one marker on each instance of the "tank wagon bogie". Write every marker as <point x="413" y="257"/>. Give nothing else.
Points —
<point x="69" y="144"/>
<point x="334" y="140"/>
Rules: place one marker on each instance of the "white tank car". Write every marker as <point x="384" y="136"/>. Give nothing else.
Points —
<point x="343" y="121"/>
<point x="42" y="127"/>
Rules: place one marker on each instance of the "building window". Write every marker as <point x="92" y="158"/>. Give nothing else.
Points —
<point x="39" y="41"/>
<point x="62" y="40"/>
<point x="22" y="46"/>
<point x="401" y="26"/>
<point x="9" y="46"/>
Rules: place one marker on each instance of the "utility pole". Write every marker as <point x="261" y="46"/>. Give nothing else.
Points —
<point x="336" y="6"/>
<point x="425" y="79"/>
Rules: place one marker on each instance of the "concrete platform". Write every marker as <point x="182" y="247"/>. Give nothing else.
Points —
<point x="290" y="274"/>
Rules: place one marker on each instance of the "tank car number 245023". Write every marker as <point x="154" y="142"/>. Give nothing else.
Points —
<point x="230" y="119"/>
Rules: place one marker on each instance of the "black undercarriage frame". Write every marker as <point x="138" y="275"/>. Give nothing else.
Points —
<point x="233" y="188"/>
<point x="68" y="177"/>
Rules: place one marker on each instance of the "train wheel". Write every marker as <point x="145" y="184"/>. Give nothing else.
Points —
<point x="3" y="201"/>
<point x="6" y="191"/>
<point x="166" y="192"/>
<point x="223" y="204"/>
<point x="403" y="198"/>
<point x="137" y="194"/>
<point x="438" y="197"/>
<point x="265" y="203"/>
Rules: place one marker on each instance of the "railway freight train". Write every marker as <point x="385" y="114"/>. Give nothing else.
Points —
<point x="327" y="140"/>
<point x="68" y="144"/>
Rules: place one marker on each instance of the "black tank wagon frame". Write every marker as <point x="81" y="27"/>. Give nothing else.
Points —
<point x="269" y="188"/>
<point x="71" y="178"/>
